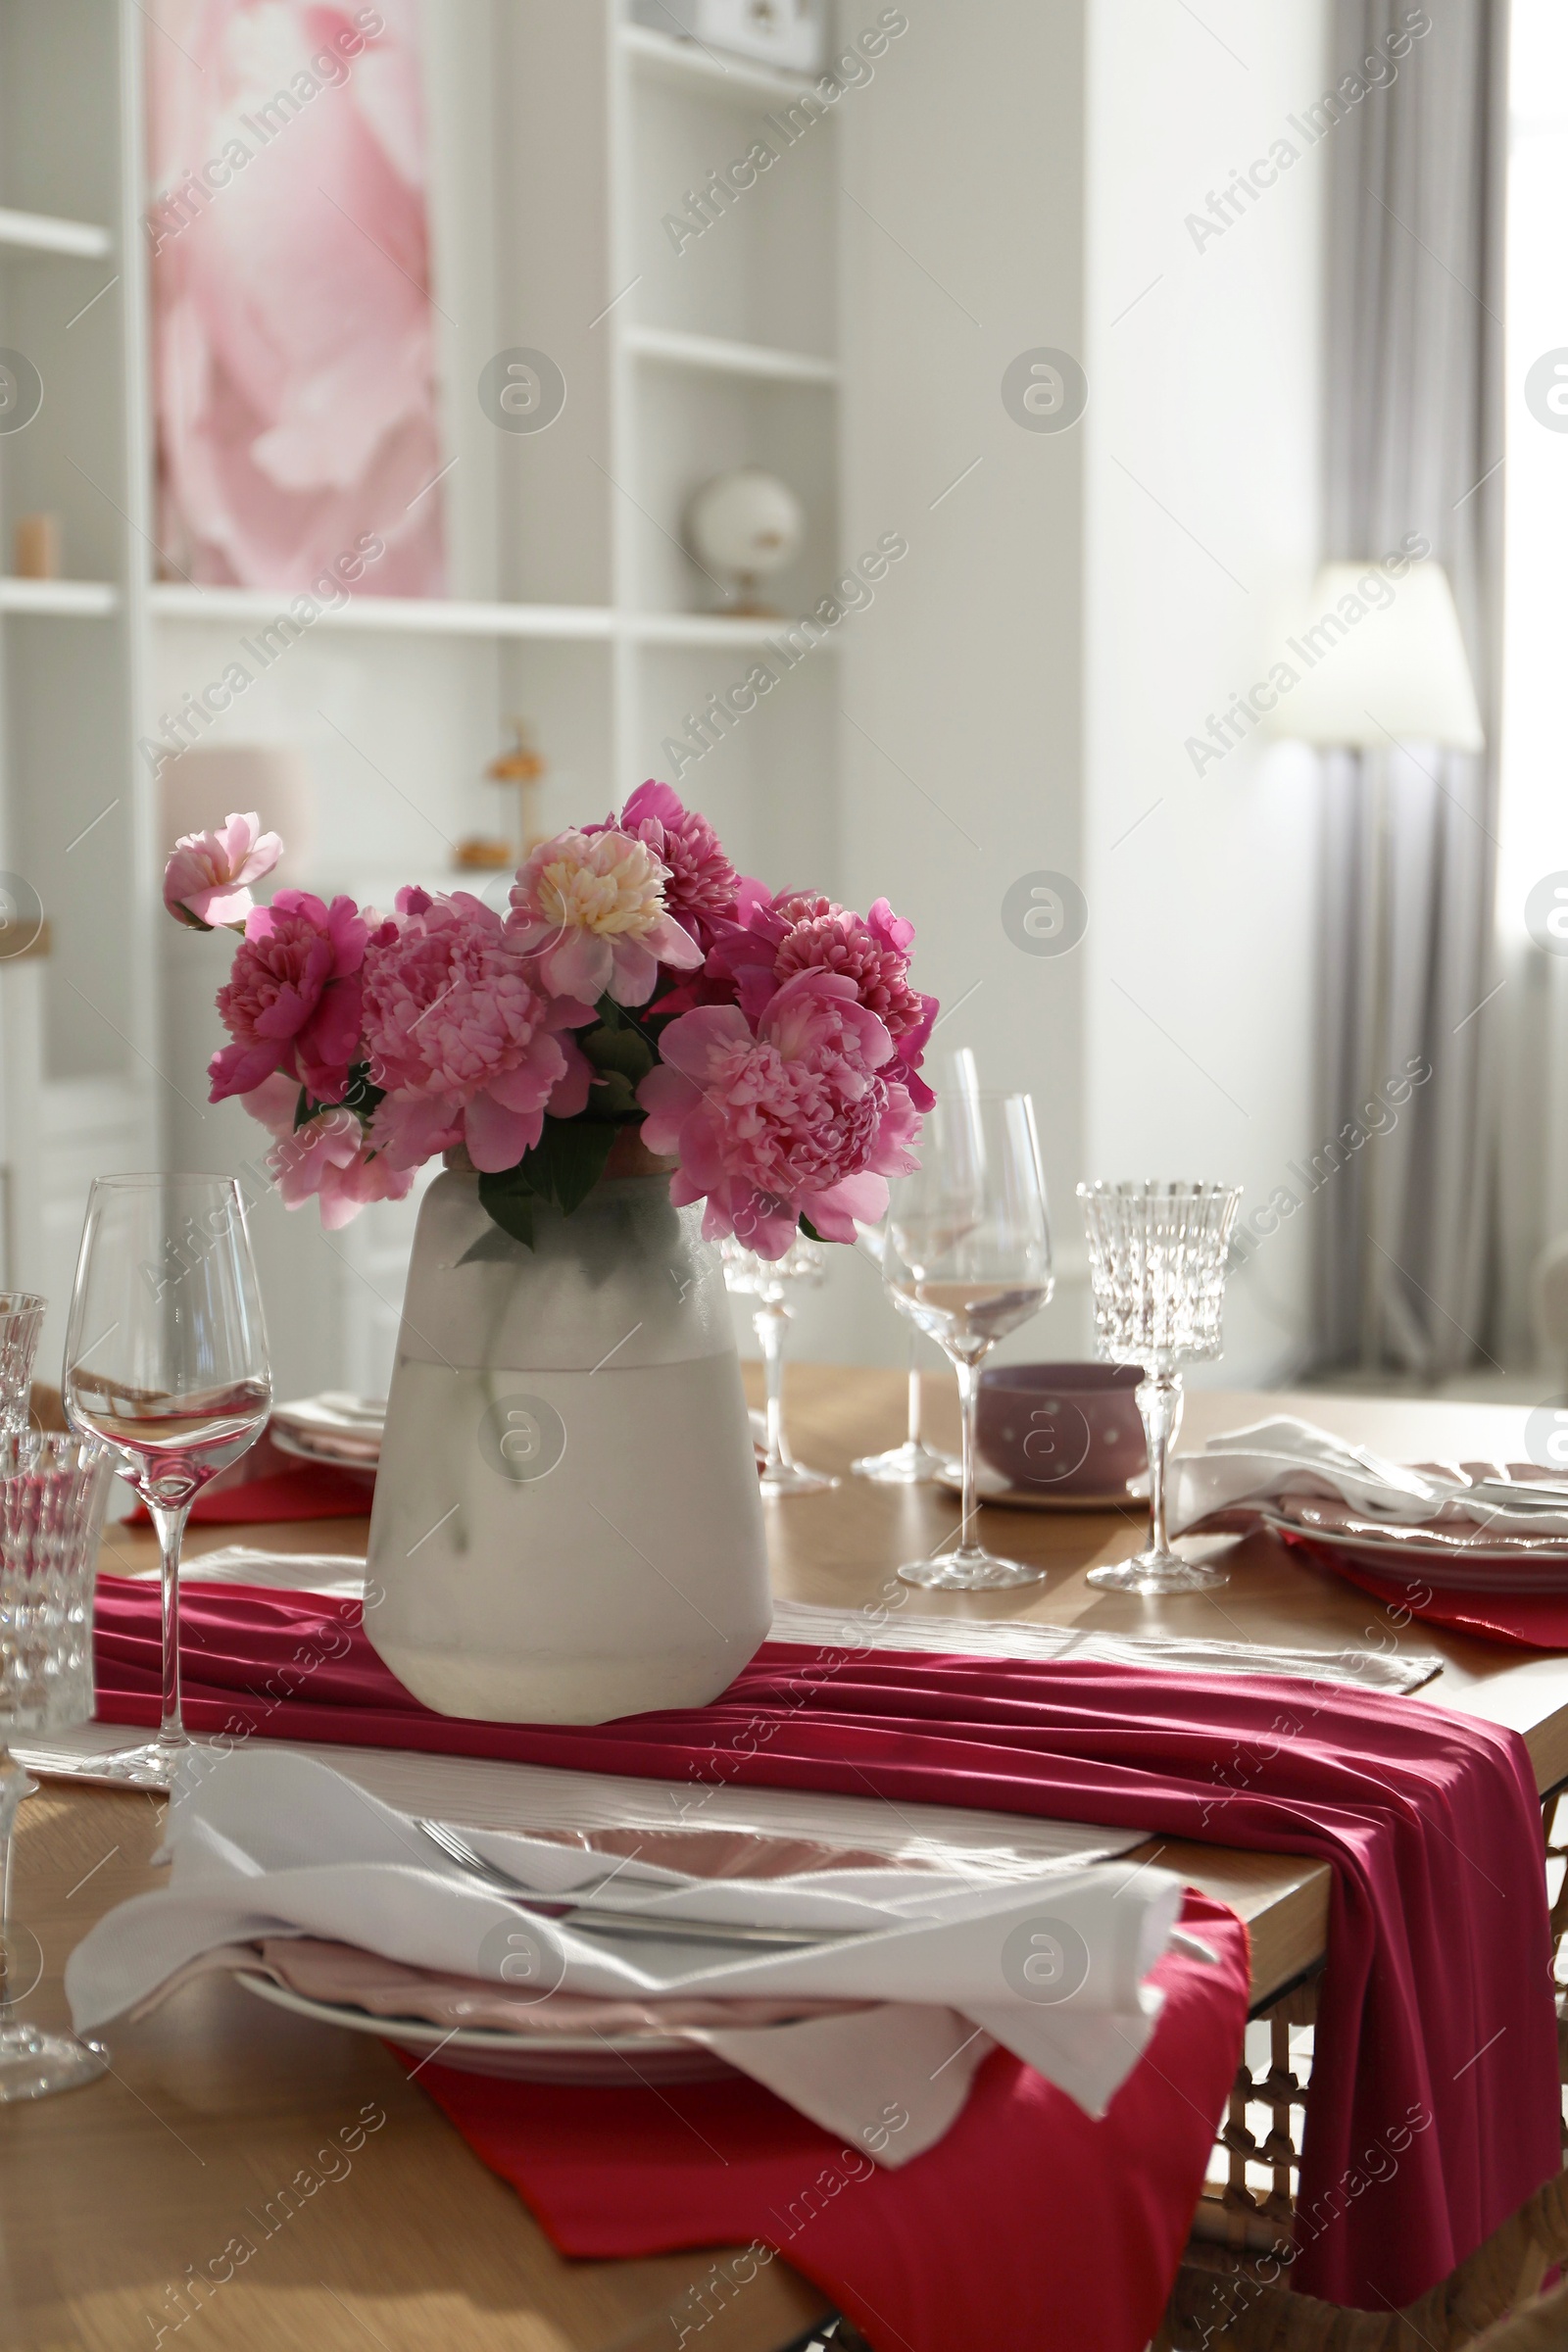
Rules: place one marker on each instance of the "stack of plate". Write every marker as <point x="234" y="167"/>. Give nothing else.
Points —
<point x="334" y="1427"/>
<point x="1452" y="1551"/>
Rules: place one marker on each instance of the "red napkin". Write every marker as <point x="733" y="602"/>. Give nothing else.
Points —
<point x="1529" y="1620"/>
<point x="1437" y="2019"/>
<point x="1026" y="2225"/>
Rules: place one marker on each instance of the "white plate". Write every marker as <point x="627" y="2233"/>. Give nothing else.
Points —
<point x="337" y="1454"/>
<point x="334" y="1427"/>
<point x="1421" y="1555"/>
<point x="614" y="2059"/>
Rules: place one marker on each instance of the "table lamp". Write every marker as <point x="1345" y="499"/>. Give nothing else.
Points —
<point x="1395" y="675"/>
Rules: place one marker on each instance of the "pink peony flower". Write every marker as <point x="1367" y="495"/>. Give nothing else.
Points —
<point x="206" y="878"/>
<point x="328" y="1159"/>
<point x="591" y="906"/>
<point x="332" y="1161"/>
<point x="699" y="881"/>
<point x="468" y="1045"/>
<point x="774" y="938"/>
<point x="796" y="1119"/>
<point x="292" y="1000"/>
<point x="274" y="1103"/>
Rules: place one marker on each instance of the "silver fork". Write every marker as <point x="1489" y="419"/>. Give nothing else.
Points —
<point x="606" y="1920"/>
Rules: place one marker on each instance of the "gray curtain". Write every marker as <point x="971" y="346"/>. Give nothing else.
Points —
<point x="1413" y="402"/>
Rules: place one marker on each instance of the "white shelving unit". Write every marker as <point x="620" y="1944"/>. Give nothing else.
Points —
<point x="41" y="232"/>
<point x="562" y="141"/>
<point x="716" y="356"/>
<point x="76" y="827"/>
<point x="693" y="65"/>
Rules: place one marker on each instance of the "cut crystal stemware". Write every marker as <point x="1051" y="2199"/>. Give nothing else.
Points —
<point x="1156" y="1260"/>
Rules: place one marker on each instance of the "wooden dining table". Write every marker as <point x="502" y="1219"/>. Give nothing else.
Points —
<point x="224" y="2122"/>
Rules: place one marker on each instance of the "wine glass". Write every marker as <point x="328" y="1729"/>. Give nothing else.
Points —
<point x="165" y="1361"/>
<point x="52" y="1492"/>
<point x="968" y="1259"/>
<point x="913" y="1463"/>
<point x="21" y="1314"/>
<point x="1156" y="1260"/>
<point x="770" y="1281"/>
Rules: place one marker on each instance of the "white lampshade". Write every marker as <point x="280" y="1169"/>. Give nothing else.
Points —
<point x="1396" y="671"/>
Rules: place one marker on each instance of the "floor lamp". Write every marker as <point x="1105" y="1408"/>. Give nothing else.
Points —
<point x="1388" y="672"/>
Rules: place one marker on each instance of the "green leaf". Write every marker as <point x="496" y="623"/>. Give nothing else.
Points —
<point x="613" y="1097"/>
<point x="810" y="1231"/>
<point x="359" y="1096"/>
<point x="571" y="1154"/>
<point x="304" y="1109"/>
<point x="507" y="1206"/>
<point x="619" y="1050"/>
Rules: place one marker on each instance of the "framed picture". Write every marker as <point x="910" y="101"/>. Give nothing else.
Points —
<point x="294" y="354"/>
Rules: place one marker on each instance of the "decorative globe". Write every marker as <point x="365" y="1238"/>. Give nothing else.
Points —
<point x="745" y="525"/>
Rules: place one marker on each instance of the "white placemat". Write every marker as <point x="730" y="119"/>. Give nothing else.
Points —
<point x="1016" y="1638"/>
<point x="881" y="1625"/>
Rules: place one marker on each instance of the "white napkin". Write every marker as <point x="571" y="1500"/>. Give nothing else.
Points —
<point x="274" y="1844"/>
<point x="1290" y="1455"/>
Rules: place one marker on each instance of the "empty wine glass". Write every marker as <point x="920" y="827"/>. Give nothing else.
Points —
<point x="1156" y="1258"/>
<point x="52" y="1493"/>
<point x="771" y="1282"/>
<point x="968" y="1259"/>
<point x="21" y="1314"/>
<point x="914" y="1463"/>
<point x="165" y="1361"/>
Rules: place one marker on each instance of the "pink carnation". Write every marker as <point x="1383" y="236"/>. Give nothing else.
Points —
<point x="799" y="931"/>
<point x="205" y="880"/>
<point x="700" y="880"/>
<point x="292" y="999"/>
<point x="461" y="1037"/>
<point x="591" y="906"/>
<point x="794" y="1120"/>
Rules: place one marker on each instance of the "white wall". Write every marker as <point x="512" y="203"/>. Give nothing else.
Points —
<point x="963" y="245"/>
<point x="1201" y="442"/>
<point x="1077" y="605"/>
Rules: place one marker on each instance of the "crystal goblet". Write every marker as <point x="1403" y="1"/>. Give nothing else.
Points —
<point x="21" y="1314"/>
<point x="1156" y="1260"/>
<point x="52" y="1493"/>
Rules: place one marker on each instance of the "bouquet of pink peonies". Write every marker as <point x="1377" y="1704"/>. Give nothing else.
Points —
<point x="771" y="1044"/>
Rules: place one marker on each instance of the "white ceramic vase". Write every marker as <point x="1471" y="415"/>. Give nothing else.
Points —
<point x="566" y="1524"/>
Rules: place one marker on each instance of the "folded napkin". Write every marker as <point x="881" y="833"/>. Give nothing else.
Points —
<point x="1291" y="1457"/>
<point x="1524" y="1620"/>
<point x="1029" y="2224"/>
<point x="274" y="1844"/>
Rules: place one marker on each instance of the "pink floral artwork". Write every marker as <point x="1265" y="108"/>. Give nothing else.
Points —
<point x="294" y="345"/>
